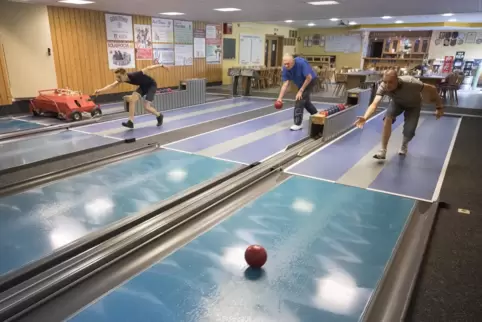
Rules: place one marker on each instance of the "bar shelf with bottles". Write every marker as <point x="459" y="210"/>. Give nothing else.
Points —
<point x="396" y="50"/>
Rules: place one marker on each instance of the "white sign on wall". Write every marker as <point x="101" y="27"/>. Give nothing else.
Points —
<point x="119" y="27"/>
<point x="162" y="30"/>
<point x="121" y="55"/>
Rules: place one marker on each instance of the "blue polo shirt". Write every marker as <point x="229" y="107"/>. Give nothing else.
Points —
<point x="298" y="73"/>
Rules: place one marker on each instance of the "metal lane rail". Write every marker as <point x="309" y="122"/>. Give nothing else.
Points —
<point x="56" y="175"/>
<point x="25" y="274"/>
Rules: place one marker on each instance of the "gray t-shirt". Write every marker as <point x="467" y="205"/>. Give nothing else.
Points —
<point x="408" y="93"/>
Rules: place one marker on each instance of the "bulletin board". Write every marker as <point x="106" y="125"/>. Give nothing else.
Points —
<point x="229" y="48"/>
<point x="251" y="50"/>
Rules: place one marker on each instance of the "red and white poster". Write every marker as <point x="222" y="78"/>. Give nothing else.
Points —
<point x="447" y="66"/>
<point x="143" y="42"/>
<point x="214" y="40"/>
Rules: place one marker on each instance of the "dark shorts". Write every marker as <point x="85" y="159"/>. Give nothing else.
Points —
<point x="147" y="92"/>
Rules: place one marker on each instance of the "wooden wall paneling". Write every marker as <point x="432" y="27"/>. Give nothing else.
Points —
<point x="80" y="53"/>
<point x="5" y="94"/>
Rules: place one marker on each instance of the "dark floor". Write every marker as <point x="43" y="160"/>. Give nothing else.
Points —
<point x="450" y="282"/>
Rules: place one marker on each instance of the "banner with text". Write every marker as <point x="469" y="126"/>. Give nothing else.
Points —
<point x="121" y="54"/>
<point x="163" y="54"/>
<point x="118" y="27"/>
<point x="162" y="30"/>
<point x="143" y="42"/>
<point x="183" y="55"/>
<point x="199" y="43"/>
<point x="183" y="33"/>
<point x="214" y="40"/>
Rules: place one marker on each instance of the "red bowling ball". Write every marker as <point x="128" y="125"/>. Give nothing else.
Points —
<point x="255" y="256"/>
<point x="278" y="105"/>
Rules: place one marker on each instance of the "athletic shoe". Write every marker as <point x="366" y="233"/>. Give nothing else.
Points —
<point x="128" y="124"/>
<point x="296" y="127"/>
<point x="381" y="155"/>
<point x="403" y="149"/>
<point x="160" y="119"/>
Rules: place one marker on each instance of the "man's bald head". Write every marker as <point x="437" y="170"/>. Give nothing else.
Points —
<point x="288" y="61"/>
<point x="390" y="80"/>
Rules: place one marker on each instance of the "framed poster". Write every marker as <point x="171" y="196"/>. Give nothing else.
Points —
<point x="119" y="27"/>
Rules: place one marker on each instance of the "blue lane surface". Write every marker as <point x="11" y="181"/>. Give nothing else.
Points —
<point x="416" y="175"/>
<point x="263" y="146"/>
<point x="332" y="161"/>
<point x="43" y="147"/>
<point x="35" y="223"/>
<point x="12" y="125"/>
<point x="145" y="125"/>
<point x="419" y="174"/>
<point x="327" y="244"/>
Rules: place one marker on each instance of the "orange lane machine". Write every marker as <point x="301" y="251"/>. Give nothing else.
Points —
<point x="64" y="104"/>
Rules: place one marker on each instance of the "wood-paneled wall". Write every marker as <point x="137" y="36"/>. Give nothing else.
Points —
<point x="80" y="52"/>
<point x="5" y="94"/>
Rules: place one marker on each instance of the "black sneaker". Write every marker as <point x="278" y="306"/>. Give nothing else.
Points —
<point x="160" y="119"/>
<point x="128" y="124"/>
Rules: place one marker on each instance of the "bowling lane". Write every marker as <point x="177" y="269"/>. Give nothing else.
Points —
<point x="8" y="125"/>
<point x="249" y="141"/>
<point x="46" y="146"/>
<point x="145" y="125"/>
<point x="419" y="175"/>
<point x="36" y="222"/>
<point x="328" y="246"/>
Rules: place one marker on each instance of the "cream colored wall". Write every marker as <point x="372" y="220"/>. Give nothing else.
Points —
<point x="253" y="29"/>
<point x="25" y="34"/>
<point x="472" y="51"/>
<point x="342" y="59"/>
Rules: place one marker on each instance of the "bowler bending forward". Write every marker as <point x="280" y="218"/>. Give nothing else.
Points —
<point x="299" y="71"/>
<point x="406" y="93"/>
<point x="147" y="90"/>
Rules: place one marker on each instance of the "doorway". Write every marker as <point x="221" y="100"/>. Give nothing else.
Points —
<point x="377" y="49"/>
<point x="273" y="50"/>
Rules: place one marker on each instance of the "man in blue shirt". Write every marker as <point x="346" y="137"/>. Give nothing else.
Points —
<point x="299" y="71"/>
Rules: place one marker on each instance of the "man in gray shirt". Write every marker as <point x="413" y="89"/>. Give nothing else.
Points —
<point x="406" y="93"/>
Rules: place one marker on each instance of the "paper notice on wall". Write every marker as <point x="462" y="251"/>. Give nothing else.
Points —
<point x="162" y="30"/>
<point x="143" y="42"/>
<point x="199" y="47"/>
<point x="119" y="27"/>
<point x="214" y="40"/>
<point x="121" y="54"/>
<point x="183" y="55"/>
<point x="163" y="54"/>
<point x="183" y="33"/>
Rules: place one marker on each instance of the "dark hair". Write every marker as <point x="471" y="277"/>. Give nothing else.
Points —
<point x="120" y="71"/>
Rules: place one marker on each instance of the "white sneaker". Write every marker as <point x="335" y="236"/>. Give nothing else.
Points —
<point x="403" y="150"/>
<point x="296" y="127"/>
<point x="381" y="155"/>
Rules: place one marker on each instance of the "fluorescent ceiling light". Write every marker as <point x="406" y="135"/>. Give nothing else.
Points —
<point x="452" y="20"/>
<point x="386" y="17"/>
<point x="311" y="24"/>
<point x="288" y="21"/>
<point x="447" y="14"/>
<point x="335" y="19"/>
<point x="323" y="3"/>
<point x="76" y="1"/>
<point x="227" y="9"/>
<point x="352" y="23"/>
<point x="399" y="21"/>
<point x="171" y="13"/>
